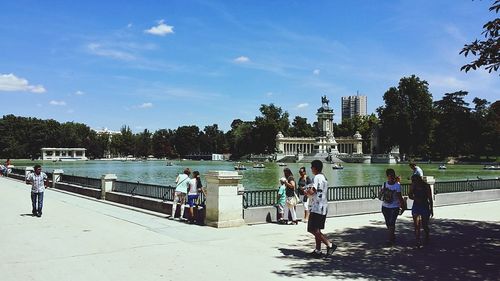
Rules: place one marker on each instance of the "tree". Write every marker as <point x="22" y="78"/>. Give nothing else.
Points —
<point x="406" y="119"/>
<point x="453" y="130"/>
<point x="487" y="51"/>
<point x="267" y="126"/>
<point x="186" y="140"/>
<point x="162" y="144"/>
<point x="143" y="144"/>
<point x="300" y="128"/>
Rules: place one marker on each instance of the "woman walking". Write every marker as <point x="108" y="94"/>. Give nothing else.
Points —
<point x="422" y="209"/>
<point x="291" y="197"/>
<point x="390" y="194"/>
<point x="304" y="181"/>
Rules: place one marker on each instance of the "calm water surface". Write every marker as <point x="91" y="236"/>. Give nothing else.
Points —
<point x="156" y="172"/>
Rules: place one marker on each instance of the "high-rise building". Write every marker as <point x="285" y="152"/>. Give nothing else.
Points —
<point x="353" y="105"/>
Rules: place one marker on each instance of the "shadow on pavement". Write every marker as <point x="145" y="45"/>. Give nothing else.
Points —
<point x="27" y="215"/>
<point x="458" y="250"/>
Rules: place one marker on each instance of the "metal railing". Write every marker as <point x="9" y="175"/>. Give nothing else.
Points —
<point x="468" y="185"/>
<point x="165" y="193"/>
<point x="268" y="197"/>
<point x="83" y="181"/>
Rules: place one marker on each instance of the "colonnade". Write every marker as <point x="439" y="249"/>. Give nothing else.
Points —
<point x="292" y="148"/>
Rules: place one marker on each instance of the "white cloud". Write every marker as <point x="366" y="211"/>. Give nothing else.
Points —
<point x="302" y="105"/>
<point x="129" y="25"/>
<point x="12" y="83"/>
<point x="316" y="72"/>
<point x="241" y="59"/>
<point x="269" y="94"/>
<point x="99" y="50"/>
<point x="146" y="105"/>
<point x="79" y="93"/>
<point x="161" y="29"/>
<point x="70" y="111"/>
<point x="57" y="103"/>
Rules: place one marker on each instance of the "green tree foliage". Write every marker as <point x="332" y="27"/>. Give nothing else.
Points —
<point x="487" y="52"/>
<point x="267" y="126"/>
<point x="143" y="144"/>
<point x="362" y="124"/>
<point x="406" y="119"/>
<point x="186" y="140"/>
<point x="452" y="116"/>
<point x="240" y="138"/>
<point x="300" y="128"/>
<point x="213" y="140"/>
<point x="163" y="144"/>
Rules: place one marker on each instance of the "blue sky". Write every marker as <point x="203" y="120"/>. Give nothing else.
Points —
<point x="164" y="64"/>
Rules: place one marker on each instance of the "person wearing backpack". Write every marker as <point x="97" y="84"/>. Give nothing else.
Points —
<point x="392" y="201"/>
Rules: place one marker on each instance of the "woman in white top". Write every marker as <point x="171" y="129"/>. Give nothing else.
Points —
<point x="182" y="182"/>
<point x="392" y="202"/>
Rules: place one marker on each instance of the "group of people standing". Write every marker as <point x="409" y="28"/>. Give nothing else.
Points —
<point x="313" y="194"/>
<point x="187" y="188"/>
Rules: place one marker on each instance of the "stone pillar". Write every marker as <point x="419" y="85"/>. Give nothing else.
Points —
<point x="224" y="199"/>
<point x="56" y="176"/>
<point x="107" y="182"/>
<point x="431" y="181"/>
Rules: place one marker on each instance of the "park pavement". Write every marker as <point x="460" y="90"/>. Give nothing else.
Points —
<point x="85" y="239"/>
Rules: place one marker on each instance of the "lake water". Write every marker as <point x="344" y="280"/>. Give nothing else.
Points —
<point x="157" y="172"/>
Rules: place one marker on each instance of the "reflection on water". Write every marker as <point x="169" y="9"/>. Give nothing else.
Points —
<point x="157" y="172"/>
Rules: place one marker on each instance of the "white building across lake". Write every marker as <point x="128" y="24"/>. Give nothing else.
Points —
<point x="63" y="154"/>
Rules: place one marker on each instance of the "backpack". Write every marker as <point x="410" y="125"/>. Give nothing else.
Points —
<point x="385" y="194"/>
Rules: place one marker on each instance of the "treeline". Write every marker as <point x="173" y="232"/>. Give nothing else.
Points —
<point x="435" y="130"/>
<point x="409" y="119"/>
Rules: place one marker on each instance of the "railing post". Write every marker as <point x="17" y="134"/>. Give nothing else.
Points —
<point x="27" y="171"/>
<point x="107" y="183"/>
<point x="224" y="207"/>
<point x="431" y="181"/>
<point x="56" y="176"/>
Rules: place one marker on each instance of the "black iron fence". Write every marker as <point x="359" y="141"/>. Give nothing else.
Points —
<point x="268" y="197"/>
<point x="83" y="181"/>
<point x="147" y="190"/>
<point x="468" y="185"/>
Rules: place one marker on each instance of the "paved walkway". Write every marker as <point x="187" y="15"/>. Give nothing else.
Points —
<point x="84" y="239"/>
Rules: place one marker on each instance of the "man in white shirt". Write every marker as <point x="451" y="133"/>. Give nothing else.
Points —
<point x="38" y="181"/>
<point x="318" y="209"/>
<point x="416" y="170"/>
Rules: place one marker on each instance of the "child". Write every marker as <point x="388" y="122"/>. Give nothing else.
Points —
<point x="281" y="201"/>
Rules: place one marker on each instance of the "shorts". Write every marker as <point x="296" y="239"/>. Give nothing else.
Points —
<point x="316" y="221"/>
<point x="390" y="216"/>
<point x="418" y="210"/>
<point x="179" y="197"/>
<point x="305" y="199"/>
<point x="281" y="208"/>
<point x="192" y="199"/>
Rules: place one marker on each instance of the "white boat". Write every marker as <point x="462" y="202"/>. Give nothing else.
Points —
<point x="169" y="164"/>
<point x="281" y="164"/>
<point x="259" y="165"/>
<point x="336" y="166"/>
<point x="239" y="166"/>
<point x="442" y="167"/>
<point x="492" y="167"/>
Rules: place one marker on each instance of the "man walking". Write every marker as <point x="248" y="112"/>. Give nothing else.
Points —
<point x="318" y="209"/>
<point x="38" y="181"/>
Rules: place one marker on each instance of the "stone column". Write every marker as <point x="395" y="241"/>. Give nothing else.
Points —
<point x="107" y="182"/>
<point x="56" y="176"/>
<point x="224" y="199"/>
<point x="431" y="181"/>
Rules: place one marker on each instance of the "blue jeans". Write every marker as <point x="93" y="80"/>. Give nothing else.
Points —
<point x="34" y="197"/>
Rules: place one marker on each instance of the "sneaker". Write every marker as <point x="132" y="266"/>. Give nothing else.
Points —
<point x="330" y="250"/>
<point x="316" y="254"/>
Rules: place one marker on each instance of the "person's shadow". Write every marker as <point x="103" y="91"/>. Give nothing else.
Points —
<point x="27" y="215"/>
<point x="458" y="250"/>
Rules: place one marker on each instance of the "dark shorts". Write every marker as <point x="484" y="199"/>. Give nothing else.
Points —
<point x="419" y="210"/>
<point x="192" y="200"/>
<point x="390" y="216"/>
<point x="316" y="221"/>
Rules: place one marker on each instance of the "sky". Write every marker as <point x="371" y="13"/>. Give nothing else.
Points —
<point x="164" y="64"/>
